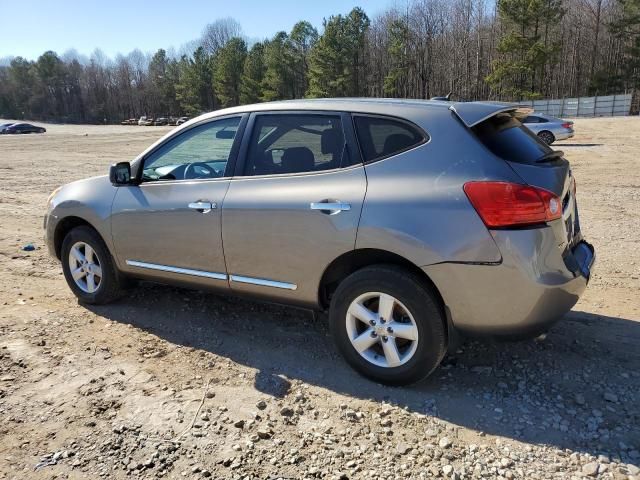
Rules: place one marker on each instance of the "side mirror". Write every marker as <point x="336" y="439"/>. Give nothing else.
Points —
<point x="120" y="174"/>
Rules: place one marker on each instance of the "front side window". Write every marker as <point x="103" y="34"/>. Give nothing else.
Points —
<point x="295" y="143"/>
<point x="199" y="153"/>
<point x="381" y="137"/>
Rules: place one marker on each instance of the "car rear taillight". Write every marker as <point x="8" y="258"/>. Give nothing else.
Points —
<point x="504" y="204"/>
<point x="567" y="125"/>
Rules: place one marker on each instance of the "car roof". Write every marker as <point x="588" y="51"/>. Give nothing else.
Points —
<point x="470" y="113"/>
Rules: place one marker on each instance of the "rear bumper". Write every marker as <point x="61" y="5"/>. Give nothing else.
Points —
<point x="533" y="286"/>
<point x="564" y="134"/>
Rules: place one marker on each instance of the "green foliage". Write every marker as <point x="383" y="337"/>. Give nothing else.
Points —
<point x="397" y="51"/>
<point x="227" y="74"/>
<point x="525" y="48"/>
<point x="303" y="37"/>
<point x="194" y="90"/>
<point x="337" y="62"/>
<point x="253" y="75"/>
<point x="627" y="28"/>
<point x="163" y="76"/>
<point x="277" y="83"/>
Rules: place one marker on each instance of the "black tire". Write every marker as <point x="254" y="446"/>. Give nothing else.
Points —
<point x="109" y="287"/>
<point x="547" y="137"/>
<point x="421" y="302"/>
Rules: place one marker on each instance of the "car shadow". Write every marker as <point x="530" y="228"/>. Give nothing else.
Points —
<point x="578" y="388"/>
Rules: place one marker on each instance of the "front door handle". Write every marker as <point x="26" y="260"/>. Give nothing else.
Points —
<point x="330" y="207"/>
<point x="203" y="207"/>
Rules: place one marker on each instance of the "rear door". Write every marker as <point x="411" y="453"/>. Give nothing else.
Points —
<point x="294" y="204"/>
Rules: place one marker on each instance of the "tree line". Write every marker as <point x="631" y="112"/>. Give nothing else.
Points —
<point x="476" y="49"/>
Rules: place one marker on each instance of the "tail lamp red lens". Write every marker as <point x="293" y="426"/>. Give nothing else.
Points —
<point x="567" y="125"/>
<point x="505" y="204"/>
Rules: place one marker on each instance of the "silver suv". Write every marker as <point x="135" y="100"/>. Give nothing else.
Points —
<point x="406" y="220"/>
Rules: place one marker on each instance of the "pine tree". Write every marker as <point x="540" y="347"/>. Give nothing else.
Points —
<point x="253" y="75"/>
<point x="396" y="78"/>
<point x="228" y="71"/>
<point x="194" y="90"/>
<point x="277" y="82"/>
<point x="627" y="28"/>
<point x="337" y="60"/>
<point x="303" y="37"/>
<point x="524" y="52"/>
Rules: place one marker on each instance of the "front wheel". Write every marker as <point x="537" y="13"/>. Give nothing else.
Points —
<point x="88" y="267"/>
<point x="388" y="325"/>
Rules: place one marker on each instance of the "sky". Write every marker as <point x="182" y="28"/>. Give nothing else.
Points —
<point x="30" y="27"/>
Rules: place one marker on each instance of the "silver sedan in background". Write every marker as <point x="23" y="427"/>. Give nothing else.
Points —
<point x="548" y="128"/>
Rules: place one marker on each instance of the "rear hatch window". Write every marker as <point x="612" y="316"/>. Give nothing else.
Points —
<point x="508" y="139"/>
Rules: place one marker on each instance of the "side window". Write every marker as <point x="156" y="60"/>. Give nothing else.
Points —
<point x="201" y="152"/>
<point x="381" y="137"/>
<point x="295" y="143"/>
<point x="531" y="120"/>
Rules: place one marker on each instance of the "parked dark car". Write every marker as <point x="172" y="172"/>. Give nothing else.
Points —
<point x="23" y="128"/>
<point x="161" y="121"/>
<point x="4" y="126"/>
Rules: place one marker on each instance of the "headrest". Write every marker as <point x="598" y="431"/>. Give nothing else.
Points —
<point x="297" y="159"/>
<point x="331" y="141"/>
<point x="396" y="142"/>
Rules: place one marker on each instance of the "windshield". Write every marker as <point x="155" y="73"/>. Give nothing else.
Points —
<point x="508" y="139"/>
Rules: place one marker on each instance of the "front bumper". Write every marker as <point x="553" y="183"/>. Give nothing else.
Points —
<point x="49" y="225"/>
<point x="533" y="286"/>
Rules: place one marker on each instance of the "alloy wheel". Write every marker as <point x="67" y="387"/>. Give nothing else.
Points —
<point x="381" y="329"/>
<point x="85" y="268"/>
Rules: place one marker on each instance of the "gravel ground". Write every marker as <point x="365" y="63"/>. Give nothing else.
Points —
<point x="185" y="384"/>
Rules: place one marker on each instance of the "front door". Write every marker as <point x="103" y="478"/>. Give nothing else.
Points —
<point x="295" y="206"/>
<point x="168" y="227"/>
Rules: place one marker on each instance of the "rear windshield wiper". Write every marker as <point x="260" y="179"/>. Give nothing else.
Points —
<point x="550" y="157"/>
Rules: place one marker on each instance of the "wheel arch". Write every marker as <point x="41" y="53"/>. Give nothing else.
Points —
<point x="64" y="226"/>
<point x="354" y="260"/>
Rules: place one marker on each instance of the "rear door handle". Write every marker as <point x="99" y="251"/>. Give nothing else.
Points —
<point x="330" y="207"/>
<point x="202" y="207"/>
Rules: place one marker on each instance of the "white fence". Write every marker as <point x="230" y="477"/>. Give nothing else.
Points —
<point x="609" y="106"/>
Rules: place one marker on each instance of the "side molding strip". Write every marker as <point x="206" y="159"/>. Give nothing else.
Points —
<point x="184" y="271"/>
<point x="263" y="282"/>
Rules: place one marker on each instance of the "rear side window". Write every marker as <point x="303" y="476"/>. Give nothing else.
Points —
<point x="295" y="143"/>
<point x="381" y="137"/>
<point x="508" y="139"/>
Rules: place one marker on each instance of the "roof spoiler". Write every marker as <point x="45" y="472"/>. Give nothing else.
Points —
<point x="473" y="113"/>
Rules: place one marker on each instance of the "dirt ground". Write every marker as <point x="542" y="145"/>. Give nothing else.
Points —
<point x="185" y="384"/>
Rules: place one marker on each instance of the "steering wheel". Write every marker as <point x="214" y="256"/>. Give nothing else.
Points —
<point x="199" y="170"/>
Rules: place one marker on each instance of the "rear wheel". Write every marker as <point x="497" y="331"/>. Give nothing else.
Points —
<point x="547" y="137"/>
<point x="388" y="325"/>
<point x="88" y="267"/>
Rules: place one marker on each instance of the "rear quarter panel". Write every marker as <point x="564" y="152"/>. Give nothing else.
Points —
<point x="415" y="205"/>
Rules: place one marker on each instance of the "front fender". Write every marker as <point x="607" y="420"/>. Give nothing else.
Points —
<point x="85" y="201"/>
